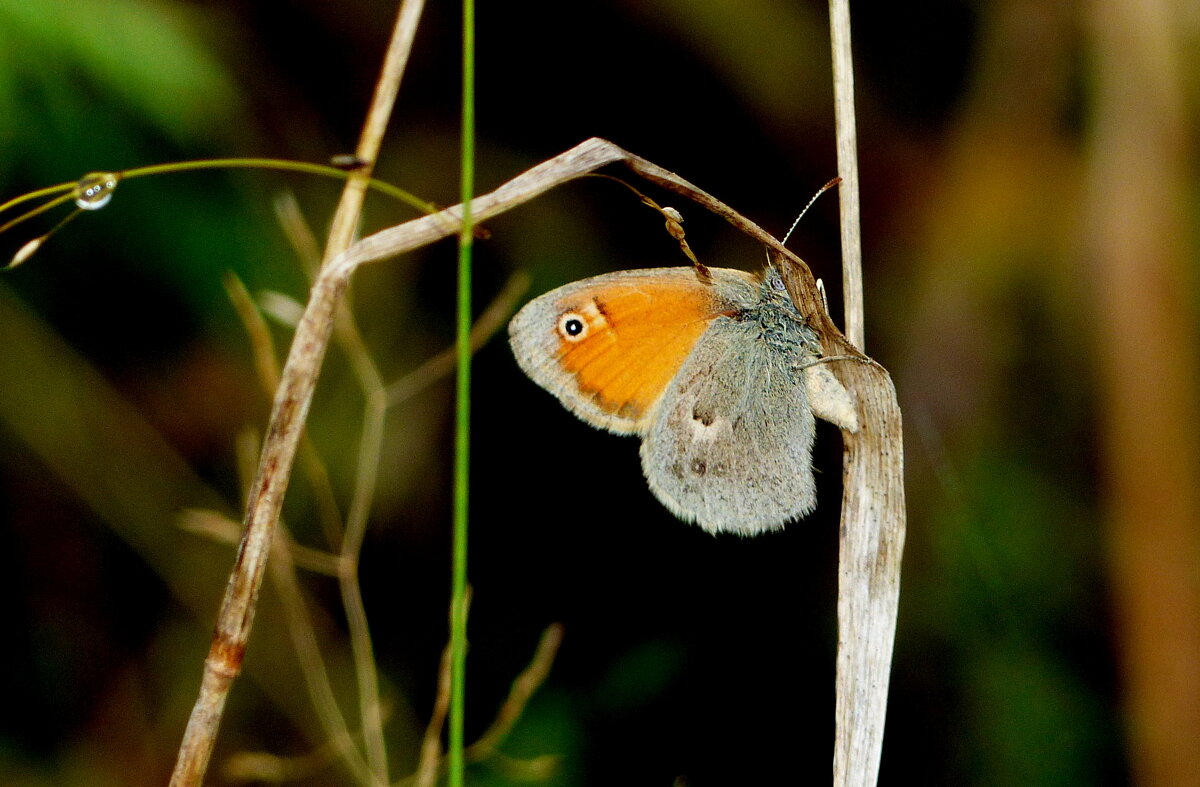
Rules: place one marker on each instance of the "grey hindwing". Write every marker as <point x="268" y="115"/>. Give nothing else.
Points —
<point x="731" y="447"/>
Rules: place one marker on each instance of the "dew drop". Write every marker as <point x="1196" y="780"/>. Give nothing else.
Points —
<point x="95" y="190"/>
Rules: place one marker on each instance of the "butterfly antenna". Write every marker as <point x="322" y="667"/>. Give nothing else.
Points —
<point x="820" y="191"/>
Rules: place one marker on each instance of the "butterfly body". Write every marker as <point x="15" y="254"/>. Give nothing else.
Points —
<point x="709" y="372"/>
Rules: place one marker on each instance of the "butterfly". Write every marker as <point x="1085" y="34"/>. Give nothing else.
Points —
<point x="712" y="368"/>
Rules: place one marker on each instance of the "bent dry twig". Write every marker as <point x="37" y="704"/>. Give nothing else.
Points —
<point x="873" y="498"/>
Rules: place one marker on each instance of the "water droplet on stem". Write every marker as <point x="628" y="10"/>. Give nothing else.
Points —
<point x="95" y="190"/>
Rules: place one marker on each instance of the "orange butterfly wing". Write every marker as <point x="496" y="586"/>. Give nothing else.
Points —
<point x="608" y="346"/>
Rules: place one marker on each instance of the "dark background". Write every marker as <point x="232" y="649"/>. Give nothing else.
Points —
<point x="127" y="383"/>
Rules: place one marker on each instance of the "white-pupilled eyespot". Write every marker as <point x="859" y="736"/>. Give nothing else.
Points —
<point x="572" y="326"/>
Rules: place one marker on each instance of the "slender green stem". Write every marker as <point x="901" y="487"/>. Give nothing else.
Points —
<point x="49" y="191"/>
<point x="283" y="165"/>
<point x="40" y="209"/>
<point x="458" y="611"/>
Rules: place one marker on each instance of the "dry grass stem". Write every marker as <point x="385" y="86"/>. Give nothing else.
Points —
<point x="847" y="157"/>
<point x="386" y="89"/>
<point x="303" y="634"/>
<point x="377" y="403"/>
<point x="341" y="232"/>
<point x="491" y="320"/>
<point x="262" y="348"/>
<point x="370" y="445"/>
<point x="299" y="234"/>
<point x="287" y="555"/>
<point x="523" y="688"/>
<point x="536" y="769"/>
<point x="267" y="768"/>
<point x="871" y="539"/>
<point x="345" y="565"/>
<point x="431" y="745"/>
<point x="312" y="664"/>
<point x="220" y="529"/>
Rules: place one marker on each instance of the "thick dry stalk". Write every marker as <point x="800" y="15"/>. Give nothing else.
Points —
<point x="873" y="493"/>
<point x="873" y="516"/>
<point x="871" y="548"/>
<point x="871" y="541"/>
<point x="847" y="157"/>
